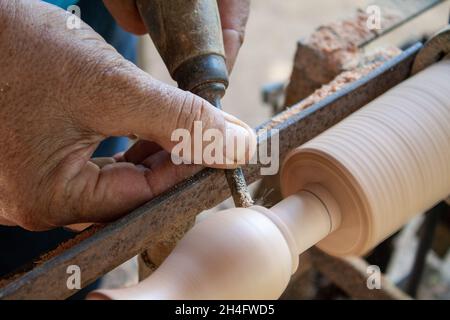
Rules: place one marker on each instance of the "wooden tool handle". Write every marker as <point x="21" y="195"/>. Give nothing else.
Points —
<point x="183" y="29"/>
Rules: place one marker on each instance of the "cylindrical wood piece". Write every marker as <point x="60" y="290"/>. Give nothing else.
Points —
<point x="383" y="164"/>
<point x="235" y="254"/>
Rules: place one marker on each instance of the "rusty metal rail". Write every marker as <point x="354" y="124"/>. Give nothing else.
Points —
<point x="168" y="216"/>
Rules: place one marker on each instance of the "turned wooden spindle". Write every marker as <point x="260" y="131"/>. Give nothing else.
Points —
<point x="346" y="191"/>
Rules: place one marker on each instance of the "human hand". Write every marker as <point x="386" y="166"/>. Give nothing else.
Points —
<point x="62" y="92"/>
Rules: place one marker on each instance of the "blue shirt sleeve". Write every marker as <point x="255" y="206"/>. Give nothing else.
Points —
<point x="62" y="3"/>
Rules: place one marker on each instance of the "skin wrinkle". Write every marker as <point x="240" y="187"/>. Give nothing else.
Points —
<point x="75" y="160"/>
<point x="116" y="83"/>
<point x="148" y="174"/>
<point x="63" y="184"/>
<point x="88" y="188"/>
<point x="175" y="123"/>
<point x="95" y="188"/>
<point x="151" y="103"/>
<point x="190" y="116"/>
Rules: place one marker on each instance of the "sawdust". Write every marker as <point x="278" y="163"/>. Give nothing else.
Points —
<point x="368" y="64"/>
<point x="69" y="243"/>
<point x="332" y="49"/>
<point x="339" y="42"/>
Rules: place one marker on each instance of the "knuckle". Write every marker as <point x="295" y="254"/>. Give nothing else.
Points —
<point x="190" y="110"/>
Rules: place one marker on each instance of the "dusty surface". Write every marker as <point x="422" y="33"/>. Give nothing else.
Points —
<point x="337" y="83"/>
<point x="331" y="49"/>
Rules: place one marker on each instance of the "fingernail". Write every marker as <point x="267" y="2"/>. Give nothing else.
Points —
<point x="240" y="142"/>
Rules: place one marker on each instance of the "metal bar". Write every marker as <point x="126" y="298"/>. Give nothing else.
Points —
<point x="426" y="240"/>
<point x="418" y="28"/>
<point x="409" y="9"/>
<point x="350" y="275"/>
<point x="167" y="217"/>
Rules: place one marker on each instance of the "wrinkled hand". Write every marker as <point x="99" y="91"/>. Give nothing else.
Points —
<point x="233" y="14"/>
<point x="61" y="93"/>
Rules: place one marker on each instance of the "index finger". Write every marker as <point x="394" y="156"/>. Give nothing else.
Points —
<point x="234" y="16"/>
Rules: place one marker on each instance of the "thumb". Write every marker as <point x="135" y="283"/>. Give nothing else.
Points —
<point x="132" y="102"/>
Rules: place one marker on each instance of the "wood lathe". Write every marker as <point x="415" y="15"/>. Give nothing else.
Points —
<point x="290" y="224"/>
<point x="345" y="190"/>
